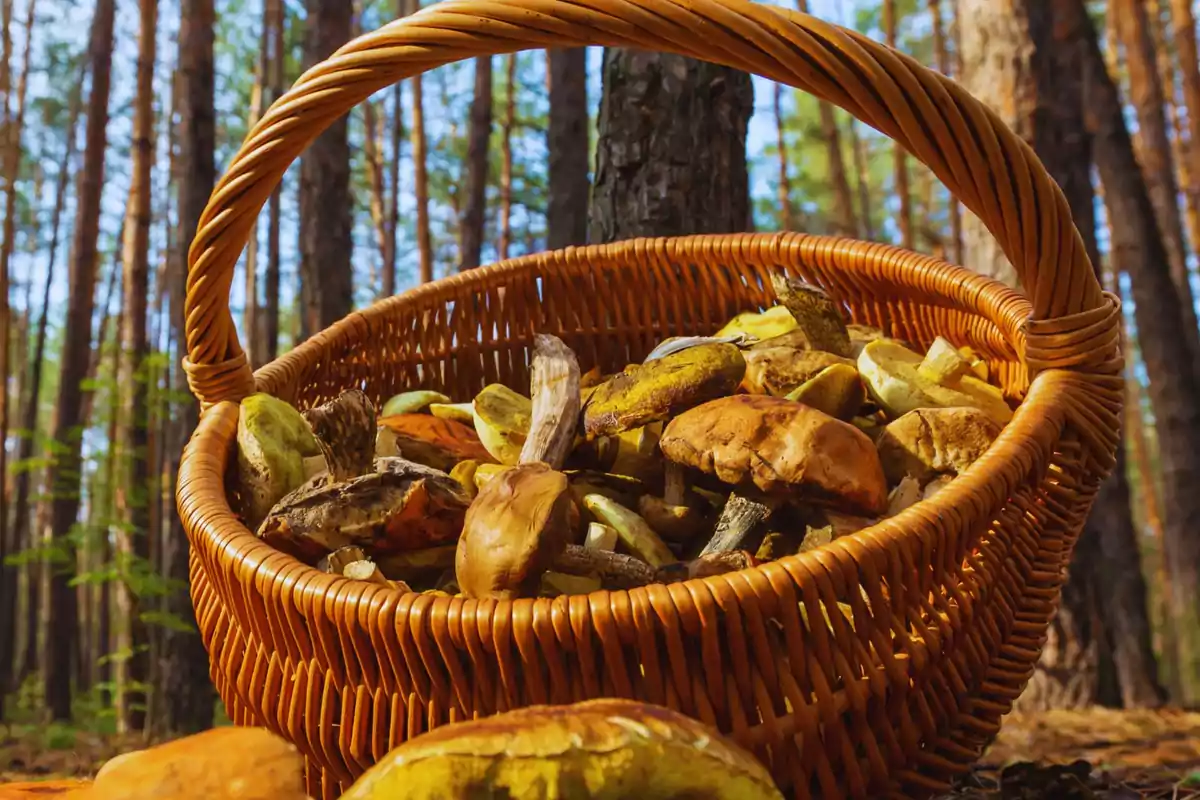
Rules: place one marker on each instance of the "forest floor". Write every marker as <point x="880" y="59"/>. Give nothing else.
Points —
<point x="1097" y="754"/>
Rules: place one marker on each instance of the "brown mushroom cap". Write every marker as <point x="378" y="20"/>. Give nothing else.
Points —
<point x="516" y="526"/>
<point x="781" y="447"/>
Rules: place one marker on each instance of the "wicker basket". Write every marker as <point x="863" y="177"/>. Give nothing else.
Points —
<point x="960" y="587"/>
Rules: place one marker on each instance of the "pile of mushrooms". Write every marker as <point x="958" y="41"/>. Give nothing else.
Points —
<point x="784" y="430"/>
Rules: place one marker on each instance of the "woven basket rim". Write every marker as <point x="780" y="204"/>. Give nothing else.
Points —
<point x="1008" y="310"/>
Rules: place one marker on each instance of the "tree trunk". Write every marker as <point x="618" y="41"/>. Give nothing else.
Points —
<point x="479" y="137"/>
<point x="784" y="190"/>
<point x="1154" y="153"/>
<point x="420" y="174"/>
<point x="1138" y="247"/>
<point x="65" y="468"/>
<point x="12" y="162"/>
<point x="251" y="328"/>
<point x="858" y="148"/>
<point x="671" y="155"/>
<point x="269" y="314"/>
<point x="1183" y="36"/>
<point x="186" y="693"/>
<point x="567" y="143"/>
<point x="900" y="159"/>
<point x="130" y="491"/>
<point x="326" y="243"/>
<point x="506" y="156"/>
<point x="377" y="202"/>
<point x="942" y="56"/>
<point x="996" y="54"/>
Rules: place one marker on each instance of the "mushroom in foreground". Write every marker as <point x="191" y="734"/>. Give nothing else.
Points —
<point x="601" y="749"/>
<point x="929" y="442"/>
<point x="817" y="314"/>
<point x="273" y="440"/>
<point x="836" y="390"/>
<point x="412" y="402"/>
<point x="775" y="321"/>
<point x="777" y="368"/>
<point x="781" y="448"/>
<point x="345" y="431"/>
<point x="502" y="418"/>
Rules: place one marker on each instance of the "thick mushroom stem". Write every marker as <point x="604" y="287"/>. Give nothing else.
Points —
<point x="335" y="563"/>
<point x="364" y="571"/>
<point x="555" y="391"/>
<point x="621" y="571"/>
<point x="816" y="313"/>
<point x="740" y="517"/>
<point x="345" y="431"/>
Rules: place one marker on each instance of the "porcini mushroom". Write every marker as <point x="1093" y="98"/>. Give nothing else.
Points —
<point x="836" y="390"/>
<point x="436" y="443"/>
<point x="502" y="418"/>
<point x="655" y="391"/>
<point x="816" y="314"/>
<point x="782" y="448"/>
<point x="775" y="321"/>
<point x="555" y="406"/>
<point x="273" y="440"/>
<point x="676" y="516"/>
<point x="412" y="402"/>
<point x="345" y="430"/>
<point x="779" y="368"/>
<point x="929" y="442"/>
<point x="637" y="535"/>
<point x="515" y="528"/>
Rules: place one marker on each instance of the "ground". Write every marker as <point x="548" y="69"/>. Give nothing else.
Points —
<point x="1078" y="755"/>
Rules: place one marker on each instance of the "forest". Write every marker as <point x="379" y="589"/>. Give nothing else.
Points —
<point x="119" y="117"/>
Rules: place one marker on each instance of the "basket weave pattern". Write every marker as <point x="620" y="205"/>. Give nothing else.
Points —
<point x="950" y="599"/>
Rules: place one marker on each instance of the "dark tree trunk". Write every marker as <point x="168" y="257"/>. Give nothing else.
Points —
<point x="65" y="469"/>
<point x="671" y="157"/>
<point x="479" y="137"/>
<point x="567" y="141"/>
<point x="326" y="243"/>
<point x="186" y="694"/>
<point x="1137" y="245"/>
<point x="269" y="315"/>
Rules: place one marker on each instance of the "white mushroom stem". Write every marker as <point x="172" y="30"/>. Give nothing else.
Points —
<point x="555" y="392"/>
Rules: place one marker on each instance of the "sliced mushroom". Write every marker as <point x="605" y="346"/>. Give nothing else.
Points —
<point x="412" y="402"/>
<point x="600" y="537"/>
<point x="401" y="506"/>
<point x="555" y="391"/>
<point x="893" y="377"/>
<point x="517" y="525"/>
<point x="273" y="440"/>
<point x="783" y="448"/>
<point x="656" y="391"/>
<point x="345" y="430"/>
<point x="816" y="314"/>
<point x="943" y="363"/>
<point x="836" y="390"/>
<point x="436" y="443"/>
<point x="929" y="442"/>
<point x="502" y="418"/>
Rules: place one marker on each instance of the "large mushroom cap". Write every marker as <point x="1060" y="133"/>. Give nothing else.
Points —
<point x="518" y="523"/>
<point x="781" y="447"/>
<point x="602" y="749"/>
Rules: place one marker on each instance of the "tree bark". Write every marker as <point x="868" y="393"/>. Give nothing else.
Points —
<point x="65" y="468"/>
<point x="251" y="329"/>
<point x="1154" y="153"/>
<point x="420" y="173"/>
<point x="1138" y="246"/>
<point x="671" y="155"/>
<point x="942" y="56"/>
<point x="269" y="314"/>
<point x="506" y="156"/>
<point x="786" y="211"/>
<point x="479" y="137"/>
<point x="130" y="491"/>
<point x="186" y="693"/>
<point x="377" y="203"/>
<point x="900" y="159"/>
<point x="326" y="243"/>
<point x="996" y="54"/>
<point x="858" y="148"/>
<point x="8" y="575"/>
<point x="1183" y="36"/>
<point x="567" y="142"/>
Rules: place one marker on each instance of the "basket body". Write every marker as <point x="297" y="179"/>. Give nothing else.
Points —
<point x="955" y="593"/>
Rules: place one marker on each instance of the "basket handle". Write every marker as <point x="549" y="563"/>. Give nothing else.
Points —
<point x="980" y="160"/>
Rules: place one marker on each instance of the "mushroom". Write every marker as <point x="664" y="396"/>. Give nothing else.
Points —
<point x="555" y="405"/>
<point x="600" y="537"/>
<point x="599" y="749"/>
<point x="636" y="534"/>
<point x="621" y="571"/>
<point x="515" y="528"/>
<point x="741" y="516"/>
<point x="894" y="379"/>
<point x="464" y="473"/>
<point x="365" y="570"/>
<point x="436" y="443"/>
<point x="836" y="390"/>
<point x="412" y="402"/>
<point x="907" y="493"/>
<point x="676" y="344"/>
<point x="417" y="566"/>
<point x="457" y="412"/>
<point x="660" y="389"/>
<point x="777" y="368"/>
<point x="784" y="449"/>
<point x="560" y="583"/>
<point x="243" y="762"/>
<point x="775" y="321"/>
<point x="502" y="418"/>
<point x="929" y="442"/>
<point x="817" y="314"/>
<point x="400" y="506"/>
<point x="675" y="516"/>
<point x="335" y="563"/>
<point x="345" y="431"/>
<point x="618" y="488"/>
<point x="273" y="440"/>
<point x="943" y="363"/>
